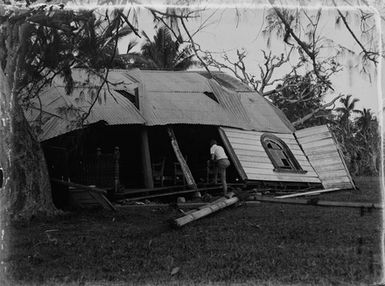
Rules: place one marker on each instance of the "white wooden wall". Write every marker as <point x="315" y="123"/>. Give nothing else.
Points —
<point x="322" y="151"/>
<point x="256" y="163"/>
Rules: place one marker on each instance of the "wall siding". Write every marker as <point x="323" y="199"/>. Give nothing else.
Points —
<point x="322" y="151"/>
<point x="256" y="163"/>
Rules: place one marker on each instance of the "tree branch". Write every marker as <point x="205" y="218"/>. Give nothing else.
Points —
<point x="368" y="54"/>
<point x="311" y="114"/>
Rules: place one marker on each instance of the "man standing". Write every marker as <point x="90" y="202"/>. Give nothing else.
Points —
<point x="221" y="163"/>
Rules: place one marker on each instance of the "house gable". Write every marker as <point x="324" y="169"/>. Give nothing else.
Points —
<point x="257" y="165"/>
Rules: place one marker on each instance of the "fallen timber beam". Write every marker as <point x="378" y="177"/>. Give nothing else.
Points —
<point x="129" y="192"/>
<point x="316" y="202"/>
<point x="204" y="211"/>
<point x="173" y="193"/>
<point x="308" y="193"/>
<point x="204" y="205"/>
<point x="178" y="188"/>
<point x="161" y="205"/>
<point x="80" y="186"/>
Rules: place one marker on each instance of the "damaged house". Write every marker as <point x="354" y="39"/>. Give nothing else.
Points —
<point x="139" y="129"/>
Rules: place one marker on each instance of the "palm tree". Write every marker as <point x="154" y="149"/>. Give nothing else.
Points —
<point x="365" y="121"/>
<point x="367" y="137"/>
<point x="346" y="110"/>
<point x="163" y="53"/>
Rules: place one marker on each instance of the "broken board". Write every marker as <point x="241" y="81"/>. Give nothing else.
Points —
<point x="86" y="196"/>
<point x="323" y="152"/>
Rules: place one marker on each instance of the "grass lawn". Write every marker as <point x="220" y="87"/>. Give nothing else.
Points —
<point x="268" y="244"/>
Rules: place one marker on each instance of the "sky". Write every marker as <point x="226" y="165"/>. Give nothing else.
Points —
<point x="225" y="33"/>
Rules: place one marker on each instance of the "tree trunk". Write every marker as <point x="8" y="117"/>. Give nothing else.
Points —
<point x="26" y="191"/>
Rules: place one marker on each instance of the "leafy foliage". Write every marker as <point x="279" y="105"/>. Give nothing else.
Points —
<point x="56" y="40"/>
<point x="300" y="94"/>
<point x="359" y="137"/>
<point x="164" y="53"/>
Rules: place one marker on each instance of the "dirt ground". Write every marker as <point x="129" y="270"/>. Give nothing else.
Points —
<point x="266" y="244"/>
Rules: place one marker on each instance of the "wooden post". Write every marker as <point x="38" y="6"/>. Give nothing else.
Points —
<point x="98" y="171"/>
<point x="185" y="169"/>
<point x="146" y="159"/>
<point x="116" y="169"/>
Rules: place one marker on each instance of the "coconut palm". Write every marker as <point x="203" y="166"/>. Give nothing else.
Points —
<point x="163" y="53"/>
<point x="365" y="121"/>
<point x="346" y="110"/>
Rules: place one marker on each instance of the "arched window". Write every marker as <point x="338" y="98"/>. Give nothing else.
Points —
<point x="279" y="154"/>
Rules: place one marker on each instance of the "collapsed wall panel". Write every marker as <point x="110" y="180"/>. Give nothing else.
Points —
<point x="324" y="155"/>
<point x="257" y="165"/>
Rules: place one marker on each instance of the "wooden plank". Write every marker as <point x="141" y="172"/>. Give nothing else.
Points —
<point x="265" y="161"/>
<point x="238" y="131"/>
<point x="250" y="152"/>
<point x="307" y="193"/>
<point x="146" y="159"/>
<point x="258" y="165"/>
<point x="337" y="180"/>
<point x="232" y="154"/>
<point x="174" y="193"/>
<point x="89" y="197"/>
<point x="333" y="174"/>
<point x="255" y="135"/>
<point x="128" y="192"/>
<point x="252" y="158"/>
<point x="285" y="136"/>
<point x="342" y="185"/>
<point x="289" y="141"/>
<point x="311" y="131"/>
<point x="322" y="150"/>
<point x="319" y="143"/>
<point x="185" y="169"/>
<point x="254" y="148"/>
<point x="263" y="173"/>
<point x="263" y="168"/>
<point x="343" y="161"/>
<point x="252" y="140"/>
<point x="323" y="164"/>
<point x="286" y="178"/>
<point x="102" y="200"/>
<point x="322" y="156"/>
<point x="318" y="202"/>
<point x="259" y="148"/>
<point x="243" y="153"/>
<point x="79" y="186"/>
<point x="330" y="167"/>
<point x="315" y="137"/>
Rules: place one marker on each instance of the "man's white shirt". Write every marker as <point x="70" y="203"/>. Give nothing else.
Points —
<point x="218" y="151"/>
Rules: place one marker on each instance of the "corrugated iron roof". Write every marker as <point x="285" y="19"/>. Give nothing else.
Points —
<point x="60" y="112"/>
<point x="173" y="81"/>
<point x="179" y="97"/>
<point x="227" y="81"/>
<point x="165" y="97"/>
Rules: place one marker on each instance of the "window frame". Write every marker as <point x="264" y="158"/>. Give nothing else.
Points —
<point x="295" y="167"/>
<point x="133" y="98"/>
